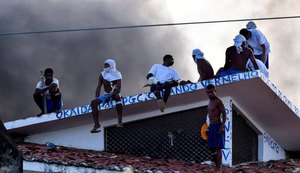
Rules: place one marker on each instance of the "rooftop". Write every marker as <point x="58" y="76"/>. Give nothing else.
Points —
<point x="255" y="94"/>
<point x="69" y="156"/>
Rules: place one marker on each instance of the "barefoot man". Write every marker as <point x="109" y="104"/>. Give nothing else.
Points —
<point x="110" y="78"/>
<point x="216" y="133"/>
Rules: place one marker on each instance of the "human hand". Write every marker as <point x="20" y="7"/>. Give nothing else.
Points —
<point x="221" y="129"/>
<point x="107" y="99"/>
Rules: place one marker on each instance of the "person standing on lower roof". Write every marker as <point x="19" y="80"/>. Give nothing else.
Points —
<point x="216" y="129"/>
<point x="204" y="68"/>
<point x="110" y="78"/>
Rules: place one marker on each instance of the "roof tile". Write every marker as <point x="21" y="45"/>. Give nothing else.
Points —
<point x="112" y="161"/>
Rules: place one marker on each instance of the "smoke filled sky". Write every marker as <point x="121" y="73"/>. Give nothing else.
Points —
<point x="77" y="57"/>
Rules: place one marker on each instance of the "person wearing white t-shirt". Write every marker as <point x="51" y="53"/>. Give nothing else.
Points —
<point x="47" y="93"/>
<point x="258" y="43"/>
<point x="162" y="78"/>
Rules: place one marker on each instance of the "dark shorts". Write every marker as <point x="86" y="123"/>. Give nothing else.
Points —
<point x="215" y="140"/>
<point x="160" y="87"/>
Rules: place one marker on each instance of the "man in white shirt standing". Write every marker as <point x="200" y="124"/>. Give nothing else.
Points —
<point x="163" y="77"/>
<point x="47" y="95"/>
<point x="258" y="42"/>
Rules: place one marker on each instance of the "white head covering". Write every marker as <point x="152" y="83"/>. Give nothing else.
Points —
<point x="198" y="54"/>
<point x="111" y="74"/>
<point x="251" y="25"/>
<point x="238" y="41"/>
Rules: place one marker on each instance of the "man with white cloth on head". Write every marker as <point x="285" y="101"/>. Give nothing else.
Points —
<point x="237" y="57"/>
<point x="110" y="78"/>
<point x="205" y="70"/>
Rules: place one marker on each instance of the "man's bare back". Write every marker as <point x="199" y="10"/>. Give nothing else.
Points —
<point x="236" y="60"/>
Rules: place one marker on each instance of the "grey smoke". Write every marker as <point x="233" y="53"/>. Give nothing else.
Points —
<point x="77" y="57"/>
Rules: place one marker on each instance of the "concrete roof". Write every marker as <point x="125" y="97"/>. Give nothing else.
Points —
<point x="255" y="94"/>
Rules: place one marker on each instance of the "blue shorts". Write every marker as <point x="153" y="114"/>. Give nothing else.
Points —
<point x="230" y="71"/>
<point x="50" y="105"/>
<point x="215" y="140"/>
<point x="102" y="98"/>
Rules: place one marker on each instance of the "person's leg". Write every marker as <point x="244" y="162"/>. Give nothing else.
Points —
<point x="218" y="160"/>
<point x="267" y="61"/>
<point x="95" y="111"/>
<point x="39" y="100"/>
<point x="156" y="91"/>
<point x="119" y="108"/>
<point x="214" y="155"/>
<point x="167" y="87"/>
<point x="154" y="88"/>
<point x="56" y="98"/>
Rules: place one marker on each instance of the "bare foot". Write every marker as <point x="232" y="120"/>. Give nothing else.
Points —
<point x="161" y="105"/>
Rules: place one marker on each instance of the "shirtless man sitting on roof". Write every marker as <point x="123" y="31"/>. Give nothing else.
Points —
<point x="237" y="57"/>
<point x="110" y="78"/>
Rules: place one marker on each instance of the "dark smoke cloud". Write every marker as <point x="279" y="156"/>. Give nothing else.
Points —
<point x="77" y="57"/>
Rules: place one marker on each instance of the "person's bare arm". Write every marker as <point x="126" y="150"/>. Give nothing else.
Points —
<point x="51" y="87"/>
<point x="263" y="58"/>
<point x="117" y="88"/>
<point x="227" y="60"/>
<point x="99" y="85"/>
<point x="223" y="112"/>
<point x="252" y="59"/>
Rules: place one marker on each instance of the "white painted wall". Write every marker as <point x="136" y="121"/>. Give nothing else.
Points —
<point x="78" y="137"/>
<point x="270" y="149"/>
<point x="227" y="152"/>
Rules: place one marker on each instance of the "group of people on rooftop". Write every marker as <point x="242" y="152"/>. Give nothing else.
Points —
<point x="249" y="52"/>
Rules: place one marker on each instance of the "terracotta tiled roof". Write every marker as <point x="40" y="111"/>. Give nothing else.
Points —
<point x="115" y="161"/>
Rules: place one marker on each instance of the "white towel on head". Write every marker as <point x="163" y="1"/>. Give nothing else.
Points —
<point x="251" y="25"/>
<point x="112" y="74"/>
<point x="198" y="54"/>
<point x="238" y="41"/>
